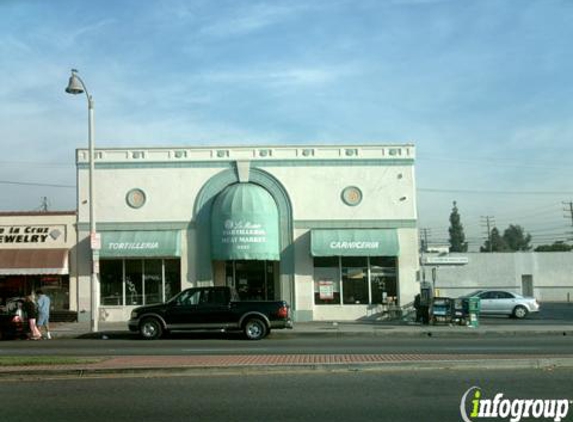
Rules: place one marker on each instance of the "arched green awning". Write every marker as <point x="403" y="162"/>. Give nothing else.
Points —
<point x="245" y="224"/>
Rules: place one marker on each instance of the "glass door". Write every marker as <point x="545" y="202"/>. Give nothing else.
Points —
<point x="253" y="280"/>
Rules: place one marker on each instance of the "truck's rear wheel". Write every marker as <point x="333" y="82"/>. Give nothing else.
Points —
<point x="255" y="329"/>
<point x="150" y="329"/>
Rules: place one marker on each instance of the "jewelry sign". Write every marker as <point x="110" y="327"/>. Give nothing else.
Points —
<point x="14" y="235"/>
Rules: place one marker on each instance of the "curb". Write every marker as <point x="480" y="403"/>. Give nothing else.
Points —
<point x="328" y="332"/>
<point x="432" y="333"/>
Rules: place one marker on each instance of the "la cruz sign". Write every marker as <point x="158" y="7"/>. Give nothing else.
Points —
<point x="30" y="234"/>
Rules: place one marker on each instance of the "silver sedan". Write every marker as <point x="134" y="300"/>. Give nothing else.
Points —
<point x="502" y="302"/>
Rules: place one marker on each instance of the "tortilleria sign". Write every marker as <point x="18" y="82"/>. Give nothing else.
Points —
<point x="30" y="234"/>
<point x="129" y="246"/>
<point x="243" y="233"/>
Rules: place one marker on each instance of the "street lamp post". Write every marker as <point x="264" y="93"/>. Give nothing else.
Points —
<point x="76" y="86"/>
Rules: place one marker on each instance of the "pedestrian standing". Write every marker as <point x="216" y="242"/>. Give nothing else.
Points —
<point x="31" y="311"/>
<point x="44" y="314"/>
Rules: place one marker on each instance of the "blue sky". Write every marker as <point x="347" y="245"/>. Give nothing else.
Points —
<point x="481" y="87"/>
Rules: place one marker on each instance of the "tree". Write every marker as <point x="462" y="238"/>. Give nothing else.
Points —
<point x="555" y="247"/>
<point x="457" y="237"/>
<point x="515" y="238"/>
<point x="495" y="243"/>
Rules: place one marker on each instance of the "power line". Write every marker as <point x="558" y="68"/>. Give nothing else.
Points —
<point x="531" y="212"/>
<point x="490" y="162"/>
<point x="485" y="192"/>
<point x="35" y="164"/>
<point x="9" y="182"/>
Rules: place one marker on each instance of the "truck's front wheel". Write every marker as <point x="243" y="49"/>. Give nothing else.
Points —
<point x="150" y="329"/>
<point x="255" y="329"/>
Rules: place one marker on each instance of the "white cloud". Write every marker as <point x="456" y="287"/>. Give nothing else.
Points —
<point x="244" y="20"/>
<point x="542" y="136"/>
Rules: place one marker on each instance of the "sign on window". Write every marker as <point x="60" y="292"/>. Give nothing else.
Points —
<point x="326" y="289"/>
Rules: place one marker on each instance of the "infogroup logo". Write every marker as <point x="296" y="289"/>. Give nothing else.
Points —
<point x="513" y="409"/>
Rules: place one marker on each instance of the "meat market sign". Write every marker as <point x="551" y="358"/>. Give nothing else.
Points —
<point x="29" y="234"/>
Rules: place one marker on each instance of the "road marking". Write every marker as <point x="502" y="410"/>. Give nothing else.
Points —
<point x="226" y="350"/>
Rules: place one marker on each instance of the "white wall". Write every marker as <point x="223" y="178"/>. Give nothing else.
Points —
<point x="315" y="191"/>
<point x="552" y="274"/>
<point x="170" y="194"/>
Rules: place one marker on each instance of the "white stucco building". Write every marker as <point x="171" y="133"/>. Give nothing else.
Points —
<point x="329" y="228"/>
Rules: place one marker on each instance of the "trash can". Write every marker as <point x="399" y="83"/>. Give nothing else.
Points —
<point x="474" y="307"/>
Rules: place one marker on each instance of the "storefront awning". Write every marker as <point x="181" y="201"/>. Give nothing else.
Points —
<point x="33" y="261"/>
<point x="245" y="224"/>
<point x="354" y="242"/>
<point x="131" y="244"/>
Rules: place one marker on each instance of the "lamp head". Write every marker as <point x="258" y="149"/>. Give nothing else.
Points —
<point x="74" y="84"/>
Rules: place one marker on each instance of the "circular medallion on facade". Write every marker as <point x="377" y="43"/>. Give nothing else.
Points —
<point x="135" y="198"/>
<point x="351" y="195"/>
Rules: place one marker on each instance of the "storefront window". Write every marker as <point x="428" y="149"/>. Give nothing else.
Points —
<point x="153" y="281"/>
<point x="327" y="281"/>
<point x="57" y="287"/>
<point x="383" y="280"/>
<point x="355" y="280"/>
<point x="172" y="278"/>
<point x="364" y="280"/>
<point x="143" y="282"/>
<point x="111" y="279"/>
<point x="134" y="281"/>
<point x="13" y="286"/>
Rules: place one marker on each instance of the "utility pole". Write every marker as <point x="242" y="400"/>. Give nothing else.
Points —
<point x="488" y="222"/>
<point x="424" y="241"/>
<point x="423" y="249"/>
<point x="568" y="209"/>
<point x="44" y="206"/>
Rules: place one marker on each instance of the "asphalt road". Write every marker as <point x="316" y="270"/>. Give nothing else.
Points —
<point x="213" y="344"/>
<point x="550" y="313"/>
<point x="301" y="397"/>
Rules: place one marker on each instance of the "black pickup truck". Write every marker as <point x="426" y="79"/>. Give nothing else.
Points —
<point x="210" y="308"/>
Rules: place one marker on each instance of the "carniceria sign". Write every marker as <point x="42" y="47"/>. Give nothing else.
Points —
<point x="29" y="234"/>
<point x="354" y="245"/>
